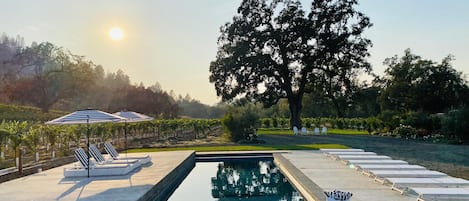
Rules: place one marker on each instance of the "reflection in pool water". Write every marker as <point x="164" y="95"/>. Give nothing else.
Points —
<point x="236" y="180"/>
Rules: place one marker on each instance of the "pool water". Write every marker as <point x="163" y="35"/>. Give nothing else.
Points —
<point x="240" y="180"/>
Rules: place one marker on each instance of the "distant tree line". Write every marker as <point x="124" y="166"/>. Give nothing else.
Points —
<point x="190" y="107"/>
<point x="410" y="84"/>
<point x="50" y="77"/>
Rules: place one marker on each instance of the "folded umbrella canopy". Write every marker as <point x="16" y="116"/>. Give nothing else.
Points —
<point x="88" y="116"/>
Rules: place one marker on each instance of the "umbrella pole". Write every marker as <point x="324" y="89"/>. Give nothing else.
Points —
<point x="125" y="137"/>
<point x="88" y="143"/>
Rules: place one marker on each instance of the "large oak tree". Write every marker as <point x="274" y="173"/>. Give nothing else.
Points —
<point x="275" y="49"/>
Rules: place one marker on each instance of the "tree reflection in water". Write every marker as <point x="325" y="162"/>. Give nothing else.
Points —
<point x="250" y="179"/>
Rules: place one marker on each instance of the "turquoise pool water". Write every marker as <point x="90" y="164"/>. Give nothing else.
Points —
<point x="241" y="180"/>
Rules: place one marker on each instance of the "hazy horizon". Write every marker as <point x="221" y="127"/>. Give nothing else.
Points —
<point x="172" y="43"/>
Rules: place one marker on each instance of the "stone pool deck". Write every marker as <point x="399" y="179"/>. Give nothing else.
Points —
<point x="313" y="173"/>
<point x="310" y="171"/>
<point x="143" y="184"/>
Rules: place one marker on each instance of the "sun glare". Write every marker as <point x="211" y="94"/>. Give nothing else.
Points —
<point x="116" y="33"/>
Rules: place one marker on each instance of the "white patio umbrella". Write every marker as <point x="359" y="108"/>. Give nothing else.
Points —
<point x="131" y="117"/>
<point x="87" y="116"/>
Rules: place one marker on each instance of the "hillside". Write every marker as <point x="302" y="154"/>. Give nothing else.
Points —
<point x="26" y="113"/>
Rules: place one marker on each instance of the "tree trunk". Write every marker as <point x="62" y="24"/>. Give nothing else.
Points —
<point x="295" y="105"/>
<point x="340" y="113"/>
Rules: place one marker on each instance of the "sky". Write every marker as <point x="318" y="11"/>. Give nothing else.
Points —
<point x="173" y="42"/>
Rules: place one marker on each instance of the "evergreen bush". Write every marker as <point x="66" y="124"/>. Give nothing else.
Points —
<point x="240" y="123"/>
<point x="455" y="124"/>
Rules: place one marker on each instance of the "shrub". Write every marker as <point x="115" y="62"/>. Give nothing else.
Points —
<point x="307" y="122"/>
<point x="405" y="131"/>
<point x="390" y="119"/>
<point x="421" y="120"/>
<point x="240" y="122"/>
<point x="284" y="123"/>
<point x="333" y="123"/>
<point x="340" y="124"/>
<point x="455" y="124"/>
<point x="373" y="124"/>
<point x="266" y="123"/>
<point x="274" y="122"/>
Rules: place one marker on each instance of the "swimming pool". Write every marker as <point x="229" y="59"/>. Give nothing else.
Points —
<point x="241" y="180"/>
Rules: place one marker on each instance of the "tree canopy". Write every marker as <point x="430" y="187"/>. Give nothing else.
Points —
<point x="412" y="83"/>
<point x="275" y="49"/>
<point x="47" y="76"/>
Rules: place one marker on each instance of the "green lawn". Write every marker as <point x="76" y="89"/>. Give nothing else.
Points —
<point x="346" y="132"/>
<point x="273" y="131"/>
<point x="245" y="148"/>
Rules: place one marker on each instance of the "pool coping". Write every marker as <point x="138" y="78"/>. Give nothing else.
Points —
<point x="167" y="185"/>
<point x="307" y="188"/>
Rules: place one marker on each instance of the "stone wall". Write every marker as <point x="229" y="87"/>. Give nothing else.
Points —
<point x="34" y="168"/>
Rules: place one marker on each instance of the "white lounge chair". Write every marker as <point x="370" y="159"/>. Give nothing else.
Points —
<point x="96" y="169"/>
<point x="304" y="131"/>
<point x="328" y="152"/>
<point x="365" y="157"/>
<point x="336" y="155"/>
<point x="426" y="194"/>
<point x="316" y="131"/>
<point x="381" y="175"/>
<point x="143" y="159"/>
<point x="390" y="167"/>
<point x="366" y="169"/>
<point x="377" y="162"/>
<point x="402" y="184"/>
<point x="324" y="130"/>
<point x="295" y="130"/>
<point x="96" y="154"/>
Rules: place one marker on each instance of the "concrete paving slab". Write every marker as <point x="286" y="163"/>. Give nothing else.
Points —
<point x="51" y="185"/>
<point x="329" y="175"/>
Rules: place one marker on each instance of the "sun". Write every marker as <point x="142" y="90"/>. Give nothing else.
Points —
<point x="116" y="33"/>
